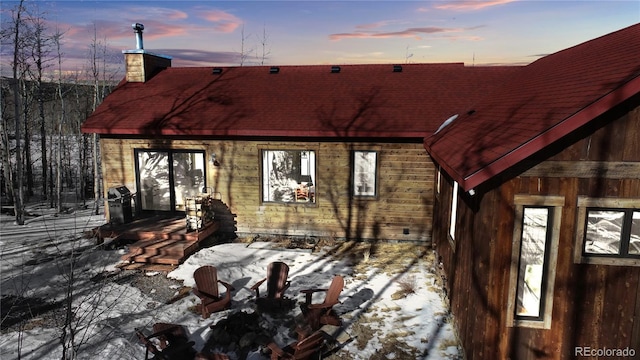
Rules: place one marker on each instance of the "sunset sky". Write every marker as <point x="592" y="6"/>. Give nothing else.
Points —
<point x="210" y="33"/>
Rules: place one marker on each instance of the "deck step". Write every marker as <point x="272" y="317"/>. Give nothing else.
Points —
<point x="159" y="259"/>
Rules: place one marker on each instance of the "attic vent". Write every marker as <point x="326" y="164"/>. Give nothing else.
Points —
<point x="335" y="69"/>
<point x="397" y="68"/>
<point x="471" y="112"/>
<point x="274" y="70"/>
<point x="217" y="70"/>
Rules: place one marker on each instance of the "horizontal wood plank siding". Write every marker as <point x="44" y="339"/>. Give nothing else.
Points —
<point x="405" y="187"/>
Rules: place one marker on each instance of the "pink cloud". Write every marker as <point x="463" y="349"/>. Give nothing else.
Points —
<point x="223" y="21"/>
<point x="471" y="4"/>
<point x="410" y="32"/>
<point x="374" y="25"/>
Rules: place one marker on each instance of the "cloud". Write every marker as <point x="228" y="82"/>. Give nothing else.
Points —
<point x="471" y="4"/>
<point x="195" y="57"/>
<point x="223" y="21"/>
<point x="410" y="32"/>
<point x="374" y="25"/>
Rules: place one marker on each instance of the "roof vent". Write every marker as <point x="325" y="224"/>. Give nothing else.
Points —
<point x="471" y="112"/>
<point x="335" y="69"/>
<point x="274" y="70"/>
<point x="217" y="70"/>
<point x="397" y="68"/>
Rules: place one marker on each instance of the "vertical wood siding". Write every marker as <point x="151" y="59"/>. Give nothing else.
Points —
<point x="405" y="187"/>
<point x="593" y="305"/>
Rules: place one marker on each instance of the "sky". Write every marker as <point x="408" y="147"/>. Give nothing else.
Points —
<point x="211" y="33"/>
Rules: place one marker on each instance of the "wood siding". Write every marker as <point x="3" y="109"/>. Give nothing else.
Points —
<point x="401" y="212"/>
<point x="595" y="306"/>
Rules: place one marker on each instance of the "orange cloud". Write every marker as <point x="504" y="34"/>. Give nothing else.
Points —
<point x="223" y="21"/>
<point x="471" y="4"/>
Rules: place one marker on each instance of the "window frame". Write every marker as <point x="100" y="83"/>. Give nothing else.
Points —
<point x="354" y="177"/>
<point x="584" y="204"/>
<point x="453" y="214"/>
<point x="313" y="166"/>
<point x="173" y="203"/>
<point x="555" y="204"/>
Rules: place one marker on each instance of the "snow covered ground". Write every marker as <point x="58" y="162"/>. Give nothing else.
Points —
<point x="380" y="320"/>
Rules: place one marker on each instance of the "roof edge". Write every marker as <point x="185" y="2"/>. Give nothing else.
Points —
<point x="553" y="134"/>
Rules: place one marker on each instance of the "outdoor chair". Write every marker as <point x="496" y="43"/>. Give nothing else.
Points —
<point x="317" y="315"/>
<point x="307" y="348"/>
<point x="277" y="284"/>
<point x="206" y="288"/>
<point x="166" y="332"/>
<point x="175" y="348"/>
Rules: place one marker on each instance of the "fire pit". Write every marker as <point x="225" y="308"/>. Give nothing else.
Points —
<point x="240" y="332"/>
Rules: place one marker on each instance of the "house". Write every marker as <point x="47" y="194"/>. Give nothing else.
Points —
<point x="308" y="151"/>
<point x="537" y="207"/>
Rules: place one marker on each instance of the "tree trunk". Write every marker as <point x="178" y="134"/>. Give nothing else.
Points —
<point x="18" y="196"/>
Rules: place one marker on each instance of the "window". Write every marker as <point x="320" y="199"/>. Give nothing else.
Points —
<point x="608" y="231"/>
<point x="365" y="172"/>
<point x="534" y="256"/>
<point x="453" y="214"/>
<point x="166" y="177"/>
<point x="438" y="177"/>
<point x="289" y="176"/>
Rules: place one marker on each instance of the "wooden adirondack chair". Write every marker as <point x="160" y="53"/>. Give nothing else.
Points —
<point x="277" y="284"/>
<point x="206" y="289"/>
<point x="175" y="348"/>
<point x="307" y="348"/>
<point x="317" y="315"/>
<point x="166" y="331"/>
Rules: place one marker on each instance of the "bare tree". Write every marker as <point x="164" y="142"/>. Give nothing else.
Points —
<point x="61" y="120"/>
<point x="18" y="196"/>
<point x="40" y="56"/>
<point x="264" y="46"/>
<point x="244" y="52"/>
<point x="101" y="78"/>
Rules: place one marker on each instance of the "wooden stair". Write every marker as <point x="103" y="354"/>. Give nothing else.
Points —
<point x="163" y="246"/>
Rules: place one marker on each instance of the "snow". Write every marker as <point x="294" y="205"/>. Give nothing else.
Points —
<point x="35" y="263"/>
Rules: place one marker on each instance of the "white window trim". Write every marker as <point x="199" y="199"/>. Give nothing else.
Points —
<point x="520" y="202"/>
<point x="453" y="215"/>
<point x="585" y="202"/>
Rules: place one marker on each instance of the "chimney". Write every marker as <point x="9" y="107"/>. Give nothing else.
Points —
<point x="140" y="64"/>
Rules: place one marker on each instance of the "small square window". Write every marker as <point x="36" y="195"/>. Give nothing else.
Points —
<point x="604" y="232"/>
<point x="608" y="231"/>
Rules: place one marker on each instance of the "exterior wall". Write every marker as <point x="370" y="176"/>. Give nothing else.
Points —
<point x="402" y="210"/>
<point x="596" y="306"/>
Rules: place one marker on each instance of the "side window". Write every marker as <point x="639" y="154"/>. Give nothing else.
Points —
<point x="608" y="231"/>
<point x="533" y="262"/>
<point x="365" y="174"/>
<point x="453" y="214"/>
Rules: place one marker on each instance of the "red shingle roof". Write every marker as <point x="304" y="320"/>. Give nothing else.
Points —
<point x="540" y="104"/>
<point x="300" y="101"/>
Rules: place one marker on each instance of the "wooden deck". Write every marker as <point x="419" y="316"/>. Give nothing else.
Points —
<point x="157" y="240"/>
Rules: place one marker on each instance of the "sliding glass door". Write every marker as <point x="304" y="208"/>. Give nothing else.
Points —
<point x="166" y="177"/>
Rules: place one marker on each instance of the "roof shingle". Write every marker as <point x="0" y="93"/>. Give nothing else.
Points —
<point x="539" y="104"/>
<point x="301" y="101"/>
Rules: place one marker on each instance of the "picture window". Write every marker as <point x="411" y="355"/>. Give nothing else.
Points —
<point x="289" y="176"/>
